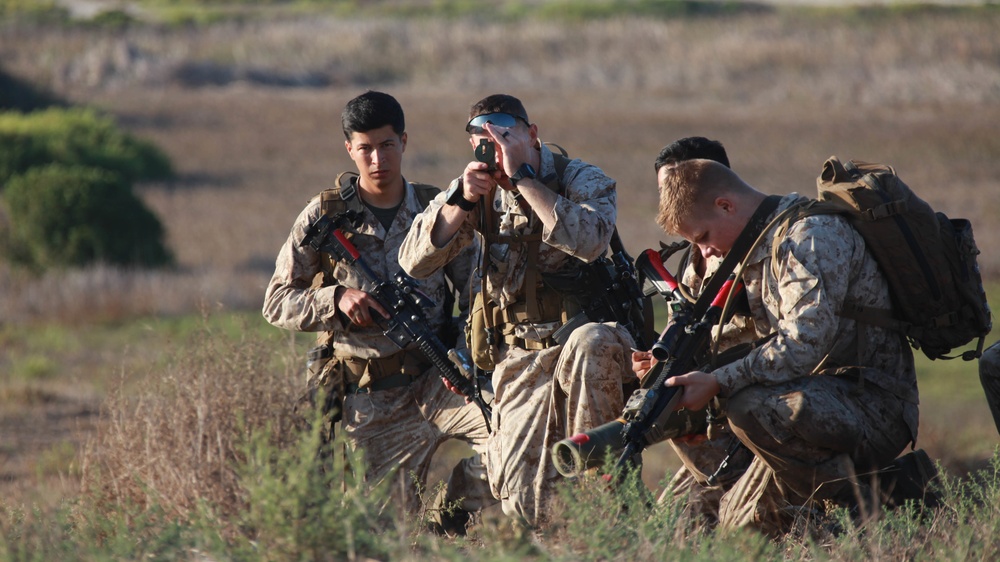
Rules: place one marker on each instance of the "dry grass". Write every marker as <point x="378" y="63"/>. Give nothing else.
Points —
<point x="175" y="444"/>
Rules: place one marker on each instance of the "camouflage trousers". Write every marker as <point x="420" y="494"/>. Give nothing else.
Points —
<point x="399" y="429"/>
<point x="543" y="397"/>
<point x="811" y="438"/>
<point x="690" y="484"/>
<point x="989" y="376"/>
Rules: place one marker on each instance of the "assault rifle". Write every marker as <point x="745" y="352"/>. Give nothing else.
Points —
<point x="680" y="349"/>
<point x="607" y="290"/>
<point x="405" y="303"/>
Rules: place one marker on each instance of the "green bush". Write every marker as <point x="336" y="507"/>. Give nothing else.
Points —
<point x="41" y="11"/>
<point x="62" y="216"/>
<point x="75" y="137"/>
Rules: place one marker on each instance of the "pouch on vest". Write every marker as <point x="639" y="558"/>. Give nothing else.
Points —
<point x="481" y="336"/>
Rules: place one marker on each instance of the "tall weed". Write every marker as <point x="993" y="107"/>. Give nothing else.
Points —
<point x="177" y="444"/>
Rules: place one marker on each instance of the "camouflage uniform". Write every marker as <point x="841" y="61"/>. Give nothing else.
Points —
<point x="702" y="460"/>
<point x="826" y="397"/>
<point x="542" y="395"/>
<point x="989" y="375"/>
<point x="397" y="428"/>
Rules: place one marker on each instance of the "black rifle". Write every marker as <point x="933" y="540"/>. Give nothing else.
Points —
<point x="405" y="304"/>
<point x="680" y="349"/>
<point x="607" y="290"/>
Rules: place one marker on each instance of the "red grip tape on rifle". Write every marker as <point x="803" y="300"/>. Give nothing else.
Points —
<point x="355" y="254"/>
<point x="720" y="299"/>
<point x="656" y="261"/>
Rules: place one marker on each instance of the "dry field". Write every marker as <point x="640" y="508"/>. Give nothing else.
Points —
<point x="249" y="114"/>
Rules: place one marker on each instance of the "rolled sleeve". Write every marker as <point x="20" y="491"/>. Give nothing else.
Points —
<point x="585" y="216"/>
<point x="418" y="256"/>
<point x="290" y="300"/>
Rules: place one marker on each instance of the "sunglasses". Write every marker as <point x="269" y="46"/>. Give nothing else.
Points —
<point x="506" y="120"/>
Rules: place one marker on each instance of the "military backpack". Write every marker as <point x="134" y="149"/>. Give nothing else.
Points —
<point x="928" y="259"/>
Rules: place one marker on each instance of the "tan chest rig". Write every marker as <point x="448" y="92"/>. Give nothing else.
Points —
<point x="363" y="375"/>
<point x="488" y="324"/>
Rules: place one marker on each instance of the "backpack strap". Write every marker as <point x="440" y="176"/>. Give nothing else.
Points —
<point x="532" y="240"/>
<point x="425" y="193"/>
<point x="342" y="196"/>
<point x="880" y="317"/>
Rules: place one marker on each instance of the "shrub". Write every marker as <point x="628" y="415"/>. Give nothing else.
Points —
<point x="40" y="11"/>
<point x="63" y="216"/>
<point x="75" y="137"/>
<point x="19" y="95"/>
<point x="210" y="453"/>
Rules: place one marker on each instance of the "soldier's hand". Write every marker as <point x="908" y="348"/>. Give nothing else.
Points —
<point x="514" y="148"/>
<point x="699" y="388"/>
<point x="477" y="181"/>
<point x="454" y="389"/>
<point x="642" y="362"/>
<point x="358" y="306"/>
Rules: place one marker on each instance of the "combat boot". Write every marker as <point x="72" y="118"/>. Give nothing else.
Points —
<point x="910" y="477"/>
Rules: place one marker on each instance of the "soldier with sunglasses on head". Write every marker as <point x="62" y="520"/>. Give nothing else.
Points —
<point x="540" y="215"/>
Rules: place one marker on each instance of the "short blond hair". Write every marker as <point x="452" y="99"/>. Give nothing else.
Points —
<point x="688" y="184"/>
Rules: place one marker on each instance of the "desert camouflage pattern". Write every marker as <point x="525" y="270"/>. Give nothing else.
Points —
<point x="704" y="458"/>
<point x="397" y="429"/>
<point x="585" y="219"/>
<point x="809" y="438"/>
<point x="822" y="265"/>
<point x="294" y="303"/>
<point x="989" y="376"/>
<point x="400" y="429"/>
<point x="826" y="397"/>
<point x="541" y="396"/>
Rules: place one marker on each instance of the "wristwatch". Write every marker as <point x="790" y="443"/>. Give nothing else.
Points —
<point x="457" y="197"/>
<point x="525" y="172"/>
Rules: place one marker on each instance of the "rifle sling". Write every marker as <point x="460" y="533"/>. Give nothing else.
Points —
<point x="736" y="254"/>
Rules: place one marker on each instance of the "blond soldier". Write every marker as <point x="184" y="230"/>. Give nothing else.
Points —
<point x="395" y="408"/>
<point x="826" y="398"/>
<point x="547" y="220"/>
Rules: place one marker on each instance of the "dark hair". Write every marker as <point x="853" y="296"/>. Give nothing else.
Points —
<point x="690" y="148"/>
<point x="499" y="103"/>
<point x="372" y="110"/>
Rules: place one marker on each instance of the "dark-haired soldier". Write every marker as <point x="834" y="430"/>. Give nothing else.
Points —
<point x="395" y="408"/>
<point x="702" y="457"/>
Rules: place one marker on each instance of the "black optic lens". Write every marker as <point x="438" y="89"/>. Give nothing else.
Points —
<point x="475" y="126"/>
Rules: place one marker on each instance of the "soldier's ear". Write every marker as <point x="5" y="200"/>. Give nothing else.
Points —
<point x="724" y="204"/>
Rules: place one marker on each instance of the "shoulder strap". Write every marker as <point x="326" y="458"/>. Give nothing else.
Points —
<point x="342" y="196"/>
<point x="881" y="317"/>
<point x="561" y="162"/>
<point x="425" y="193"/>
<point x="748" y="238"/>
